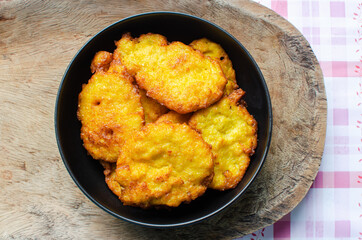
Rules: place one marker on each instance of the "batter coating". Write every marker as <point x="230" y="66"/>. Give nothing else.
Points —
<point x="232" y="133"/>
<point x="174" y="74"/>
<point x="165" y="164"/>
<point x="101" y="61"/>
<point x="215" y="51"/>
<point x="174" y="117"/>
<point x="110" y="111"/>
<point x="152" y="109"/>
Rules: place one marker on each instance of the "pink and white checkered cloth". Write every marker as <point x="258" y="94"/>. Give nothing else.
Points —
<point x="332" y="208"/>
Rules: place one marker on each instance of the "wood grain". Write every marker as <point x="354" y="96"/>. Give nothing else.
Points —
<point x="38" y="199"/>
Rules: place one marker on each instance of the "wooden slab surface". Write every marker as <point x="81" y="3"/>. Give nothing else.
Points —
<point x="38" y="199"/>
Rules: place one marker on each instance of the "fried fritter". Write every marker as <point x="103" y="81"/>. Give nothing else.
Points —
<point x="232" y="133"/>
<point x="165" y="164"/>
<point x="152" y="109"/>
<point x="101" y="61"/>
<point x="174" y="117"/>
<point x="215" y="51"/>
<point x="110" y="111"/>
<point x="174" y="74"/>
<point x="117" y="67"/>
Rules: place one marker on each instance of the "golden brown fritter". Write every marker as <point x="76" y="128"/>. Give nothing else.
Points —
<point x="174" y="74"/>
<point x="165" y="164"/>
<point x="101" y="61"/>
<point x="117" y="67"/>
<point x="110" y="111"/>
<point x="215" y="51"/>
<point x="174" y="117"/>
<point x="152" y="109"/>
<point x="232" y="133"/>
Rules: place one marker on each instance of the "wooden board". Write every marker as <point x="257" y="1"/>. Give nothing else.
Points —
<point x="38" y="199"/>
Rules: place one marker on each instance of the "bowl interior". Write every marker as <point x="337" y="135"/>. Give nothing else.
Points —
<point x="88" y="173"/>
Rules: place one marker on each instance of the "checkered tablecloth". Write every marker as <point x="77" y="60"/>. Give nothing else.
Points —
<point x="332" y="208"/>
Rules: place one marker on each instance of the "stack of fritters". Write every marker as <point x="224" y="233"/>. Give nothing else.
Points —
<point x="166" y="121"/>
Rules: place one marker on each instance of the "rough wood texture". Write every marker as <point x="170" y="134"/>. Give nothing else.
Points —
<point x="38" y="39"/>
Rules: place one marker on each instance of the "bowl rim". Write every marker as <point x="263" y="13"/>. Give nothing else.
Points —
<point x="196" y="220"/>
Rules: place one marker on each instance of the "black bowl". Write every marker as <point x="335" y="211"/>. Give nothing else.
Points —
<point x="88" y="173"/>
